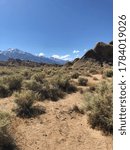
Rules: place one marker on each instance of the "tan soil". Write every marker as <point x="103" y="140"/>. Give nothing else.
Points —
<point x="57" y="129"/>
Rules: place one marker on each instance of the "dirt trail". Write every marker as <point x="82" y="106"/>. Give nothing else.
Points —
<point x="59" y="128"/>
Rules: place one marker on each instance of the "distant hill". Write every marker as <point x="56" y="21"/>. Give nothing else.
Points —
<point x="19" y="54"/>
<point x="17" y="62"/>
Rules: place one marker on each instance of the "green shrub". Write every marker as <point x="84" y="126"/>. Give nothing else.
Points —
<point x="109" y="73"/>
<point x="87" y="74"/>
<point x="99" y="107"/>
<point x="4" y="92"/>
<point x="43" y="93"/>
<point x="6" y="140"/>
<point x="4" y="119"/>
<point x="26" y="74"/>
<point x="55" y="93"/>
<point x="75" y="75"/>
<point x="5" y="72"/>
<point x="32" y="85"/>
<point x="24" y="101"/>
<point x="51" y="92"/>
<point x="39" y="77"/>
<point x="93" y="71"/>
<point x="63" y="83"/>
<point x="82" y="81"/>
<point x="13" y="82"/>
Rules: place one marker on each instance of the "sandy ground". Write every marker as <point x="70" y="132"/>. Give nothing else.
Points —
<point x="58" y="129"/>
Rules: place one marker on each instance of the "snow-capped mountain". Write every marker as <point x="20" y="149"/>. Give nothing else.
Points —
<point x="22" y="55"/>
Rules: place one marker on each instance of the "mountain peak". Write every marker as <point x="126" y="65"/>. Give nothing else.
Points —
<point x="15" y="50"/>
<point x="11" y="49"/>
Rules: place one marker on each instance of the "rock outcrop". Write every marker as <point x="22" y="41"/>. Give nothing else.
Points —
<point x="102" y="52"/>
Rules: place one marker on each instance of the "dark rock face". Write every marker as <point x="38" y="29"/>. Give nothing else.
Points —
<point x="111" y="42"/>
<point x="90" y="54"/>
<point x="75" y="60"/>
<point x="102" y="52"/>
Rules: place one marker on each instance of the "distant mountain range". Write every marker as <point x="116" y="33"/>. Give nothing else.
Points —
<point x="22" y="55"/>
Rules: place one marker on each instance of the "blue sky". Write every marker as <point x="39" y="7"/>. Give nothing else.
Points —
<point x="60" y="28"/>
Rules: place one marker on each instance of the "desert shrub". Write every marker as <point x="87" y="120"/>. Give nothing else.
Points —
<point x="70" y="68"/>
<point x="39" y="77"/>
<point x="32" y="85"/>
<point x="92" y="88"/>
<point x="95" y="78"/>
<point x="93" y="71"/>
<point x="55" y="93"/>
<point x="49" y="92"/>
<point x="6" y="140"/>
<point x="82" y="81"/>
<point x="24" y="101"/>
<point x="13" y="82"/>
<point x="87" y="74"/>
<point x="43" y="91"/>
<point x="63" y="83"/>
<point x="99" y="107"/>
<point x="26" y="74"/>
<point x="108" y="73"/>
<point x="4" y="92"/>
<point x="4" y="119"/>
<point x="5" y="72"/>
<point x="48" y="72"/>
<point x="75" y="75"/>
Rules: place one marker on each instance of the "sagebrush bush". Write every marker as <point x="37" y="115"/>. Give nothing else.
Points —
<point x="75" y="75"/>
<point x="13" y="82"/>
<point x="42" y="94"/>
<point x="5" y="72"/>
<point x="24" y="101"/>
<point x="39" y="77"/>
<point x="93" y="71"/>
<point x="4" y="92"/>
<point x="55" y="93"/>
<point x="6" y="140"/>
<point x="82" y="81"/>
<point x="44" y="90"/>
<point x="99" y="107"/>
<point x="108" y="73"/>
<point x="32" y="85"/>
<point x="63" y="83"/>
<point x="49" y="92"/>
<point x="87" y="74"/>
<point x="26" y="74"/>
